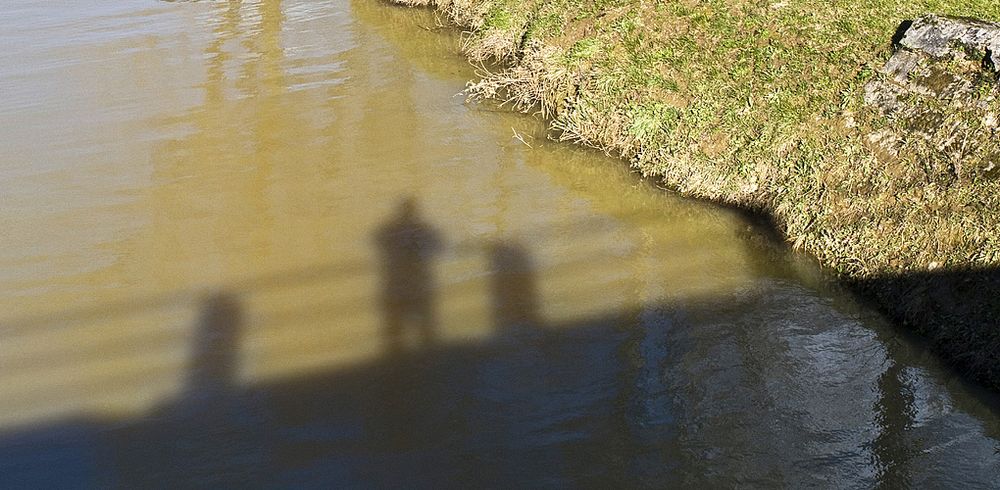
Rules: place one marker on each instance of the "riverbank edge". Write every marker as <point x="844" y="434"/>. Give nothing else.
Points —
<point x="952" y="307"/>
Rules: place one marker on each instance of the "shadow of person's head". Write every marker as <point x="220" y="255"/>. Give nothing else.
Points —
<point x="408" y="209"/>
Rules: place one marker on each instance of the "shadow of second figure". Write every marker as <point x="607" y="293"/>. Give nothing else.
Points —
<point x="515" y="297"/>
<point x="408" y="246"/>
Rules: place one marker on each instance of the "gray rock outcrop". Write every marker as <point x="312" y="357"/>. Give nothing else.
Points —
<point x="940" y="92"/>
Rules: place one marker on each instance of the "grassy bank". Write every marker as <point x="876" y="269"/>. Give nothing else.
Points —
<point x="761" y="105"/>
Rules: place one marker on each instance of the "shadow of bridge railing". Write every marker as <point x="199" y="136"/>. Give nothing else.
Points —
<point x="131" y="352"/>
<point x="584" y="400"/>
<point x="315" y="273"/>
<point x="614" y="399"/>
<point x="215" y="428"/>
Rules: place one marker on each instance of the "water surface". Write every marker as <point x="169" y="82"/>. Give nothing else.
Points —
<point x="267" y="244"/>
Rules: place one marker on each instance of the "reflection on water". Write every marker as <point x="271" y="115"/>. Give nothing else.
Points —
<point x="894" y="415"/>
<point x="530" y="317"/>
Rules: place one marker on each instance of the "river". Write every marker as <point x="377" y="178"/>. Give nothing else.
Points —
<point x="268" y="243"/>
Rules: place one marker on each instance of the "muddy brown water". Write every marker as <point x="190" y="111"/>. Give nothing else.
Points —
<point x="267" y="244"/>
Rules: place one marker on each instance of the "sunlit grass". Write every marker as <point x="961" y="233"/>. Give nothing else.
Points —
<point x="759" y="105"/>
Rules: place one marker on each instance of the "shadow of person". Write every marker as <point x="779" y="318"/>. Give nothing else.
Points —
<point x="214" y="434"/>
<point x="515" y="297"/>
<point x="408" y="246"/>
<point x="213" y="369"/>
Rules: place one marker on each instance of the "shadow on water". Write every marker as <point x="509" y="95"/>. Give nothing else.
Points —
<point x="632" y="398"/>
<point x="958" y="314"/>
<point x="958" y="310"/>
<point x="215" y="356"/>
<point x="954" y="314"/>
<point x="653" y="395"/>
<point x="213" y="435"/>
<point x="515" y="296"/>
<point x="408" y="246"/>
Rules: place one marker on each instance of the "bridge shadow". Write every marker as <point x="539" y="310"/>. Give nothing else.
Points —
<point x="379" y="422"/>
<point x="647" y="396"/>
<point x="428" y="416"/>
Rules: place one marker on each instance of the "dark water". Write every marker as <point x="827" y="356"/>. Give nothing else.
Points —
<point x="264" y="244"/>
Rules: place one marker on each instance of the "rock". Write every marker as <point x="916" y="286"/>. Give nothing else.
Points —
<point x="940" y="81"/>
<point x="941" y="36"/>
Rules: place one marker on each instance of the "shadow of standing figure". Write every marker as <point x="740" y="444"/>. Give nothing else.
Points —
<point x="408" y="246"/>
<point x="213" y="435"/>
<point x="214" y="363"/>
<point x="515" y="297"/>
